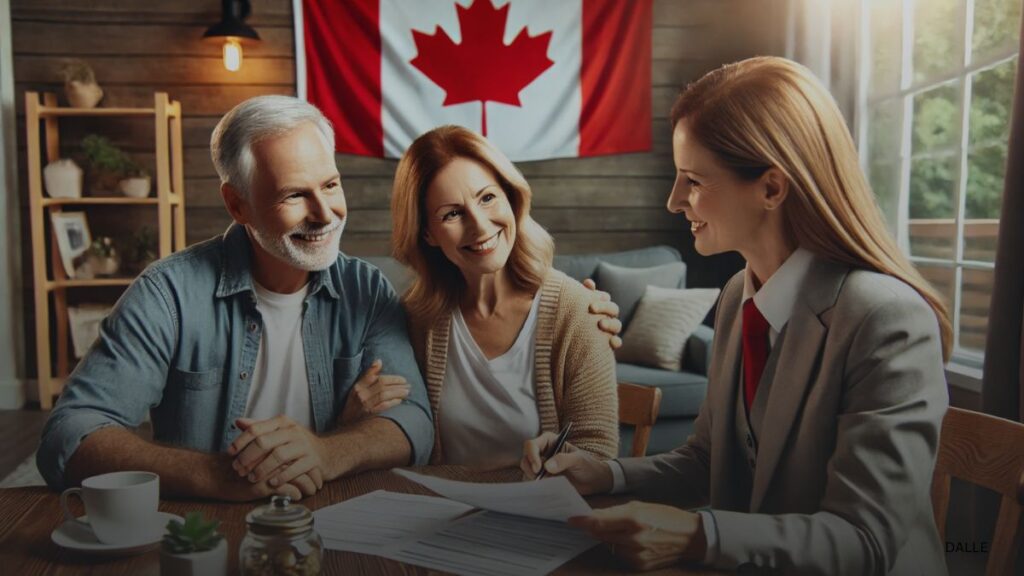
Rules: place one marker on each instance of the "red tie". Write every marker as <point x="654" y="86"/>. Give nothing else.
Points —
<point x="755" y="349"/>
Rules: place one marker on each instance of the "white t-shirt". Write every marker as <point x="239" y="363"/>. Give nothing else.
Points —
<point x="279" y="382"/>
<point x="488" y="407"/>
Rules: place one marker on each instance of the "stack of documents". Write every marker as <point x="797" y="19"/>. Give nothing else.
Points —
<point x="521" y="529"/>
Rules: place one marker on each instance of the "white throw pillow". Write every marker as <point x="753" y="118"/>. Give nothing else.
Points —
<point x="661" y="325"/>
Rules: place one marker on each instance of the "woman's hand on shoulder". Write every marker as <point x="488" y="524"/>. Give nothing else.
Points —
<point x="603" y="306"/>
<point x="586" y="473"/>
<point x="373" y="393"/>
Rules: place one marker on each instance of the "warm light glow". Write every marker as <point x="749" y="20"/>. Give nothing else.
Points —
<point x="232" y="55"/>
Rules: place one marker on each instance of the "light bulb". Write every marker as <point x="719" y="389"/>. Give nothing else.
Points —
<point x="232" y="55"/>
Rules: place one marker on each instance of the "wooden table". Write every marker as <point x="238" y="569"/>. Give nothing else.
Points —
<point x="29" y="515"/>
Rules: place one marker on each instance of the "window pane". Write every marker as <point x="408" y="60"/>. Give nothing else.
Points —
<point x="937" y="119"/>
<point x="885" y="30"/>
<point x="938" y="37"/>
<point x="942" y="279"/>
<point x="885" y="182"/>
<point x="996" y="26"/>
<point x="980" y="239"/>
<point x="933" y="182"/>
<point x="885" y="124"/>
<point x="985" y="171"/>
<point x="991" y="102"/>
<point x="975" y="296"/>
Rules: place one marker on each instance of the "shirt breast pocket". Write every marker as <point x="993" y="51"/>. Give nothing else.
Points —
<point x="346" y="372"/>
<point x="193" y="401"/>
<point x="196" y="381"/>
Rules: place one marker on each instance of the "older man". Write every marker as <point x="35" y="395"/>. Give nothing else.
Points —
<point x="243" y="348"/>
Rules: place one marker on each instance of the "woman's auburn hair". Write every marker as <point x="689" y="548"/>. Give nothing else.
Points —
<point x="771" y="112"/>
<point x="438" y="284"/>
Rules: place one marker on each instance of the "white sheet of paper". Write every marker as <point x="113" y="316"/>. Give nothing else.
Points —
<point x="379" y="522"/>
<point x="491" y="543"/>
<point x="552" y="498"/>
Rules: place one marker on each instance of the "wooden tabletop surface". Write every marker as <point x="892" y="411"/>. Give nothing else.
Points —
<point x="29" y="515"/>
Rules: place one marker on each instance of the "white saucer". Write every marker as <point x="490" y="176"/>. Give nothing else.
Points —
<point x="76" y="536"/>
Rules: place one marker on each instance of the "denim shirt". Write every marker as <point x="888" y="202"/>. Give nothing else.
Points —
<point x="181" y="343"/>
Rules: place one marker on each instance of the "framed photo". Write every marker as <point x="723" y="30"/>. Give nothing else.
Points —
<point x="71" y="230"/>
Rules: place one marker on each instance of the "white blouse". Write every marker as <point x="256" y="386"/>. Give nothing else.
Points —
<point x="488" y="408"/>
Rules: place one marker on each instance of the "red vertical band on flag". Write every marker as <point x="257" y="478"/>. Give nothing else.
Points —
<point x="615" y="77"/>
<point x="342" y="41"/>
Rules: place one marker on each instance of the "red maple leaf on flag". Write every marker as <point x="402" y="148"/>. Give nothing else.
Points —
<point x="482" y="68"/>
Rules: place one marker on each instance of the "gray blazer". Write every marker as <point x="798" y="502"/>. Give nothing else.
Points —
<point x="838" y="479"/>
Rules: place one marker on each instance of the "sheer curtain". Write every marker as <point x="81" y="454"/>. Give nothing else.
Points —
<point x="821" y="34"/>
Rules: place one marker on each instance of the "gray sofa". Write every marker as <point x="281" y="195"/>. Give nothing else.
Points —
<point x="682" y="392"/>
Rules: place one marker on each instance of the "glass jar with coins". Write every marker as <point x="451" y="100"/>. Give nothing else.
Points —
<point x="280" y="541"/>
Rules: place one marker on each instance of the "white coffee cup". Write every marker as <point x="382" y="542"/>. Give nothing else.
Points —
<point x="121" y="506"/>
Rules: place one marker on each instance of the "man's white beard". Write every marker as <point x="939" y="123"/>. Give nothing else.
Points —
<point x="297" y="254"/>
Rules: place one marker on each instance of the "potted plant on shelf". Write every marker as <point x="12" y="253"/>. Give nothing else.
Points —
<point x="194" y="548"/>
<point x="80" y="85"/>
<point x="100" y="259"/>
<point x="136" y="181"/>
<point x="110" y="169"/>
<point x="139" y="250"/>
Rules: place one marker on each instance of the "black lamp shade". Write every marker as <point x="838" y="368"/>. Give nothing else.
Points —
<point x="233" y="14"/>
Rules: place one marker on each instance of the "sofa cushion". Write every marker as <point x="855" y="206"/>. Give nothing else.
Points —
<point x="583" y="266"/>
<point x="663" y="322"/>
<point x="627" y="285"/>
<point x="681" y="392"/>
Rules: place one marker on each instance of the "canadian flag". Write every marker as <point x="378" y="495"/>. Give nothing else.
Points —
<point x="540" y="78"/>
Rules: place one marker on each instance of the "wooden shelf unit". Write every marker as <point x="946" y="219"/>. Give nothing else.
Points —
<point x="51" y="283"/>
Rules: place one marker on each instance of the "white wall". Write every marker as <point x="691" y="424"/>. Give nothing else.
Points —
<point x="12" y="393"/>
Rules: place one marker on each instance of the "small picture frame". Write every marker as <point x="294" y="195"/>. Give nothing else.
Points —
<point x="71" y="230"/>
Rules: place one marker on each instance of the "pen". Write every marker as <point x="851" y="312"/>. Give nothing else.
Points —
<point x="555" y="448"/>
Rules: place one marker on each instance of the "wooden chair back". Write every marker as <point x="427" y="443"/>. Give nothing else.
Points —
<point x="638" y="407"/>
<point x="987" y="451"/>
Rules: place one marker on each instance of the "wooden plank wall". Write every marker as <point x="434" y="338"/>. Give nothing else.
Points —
<point x="138" y="46"/>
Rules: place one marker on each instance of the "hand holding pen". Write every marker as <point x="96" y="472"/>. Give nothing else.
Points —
<point x="554" y="448"/>
<point x="586" y="472"/>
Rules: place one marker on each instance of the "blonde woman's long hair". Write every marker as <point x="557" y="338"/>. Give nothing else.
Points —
<point x="439" y="284"/>
<point x="768" y="111"/>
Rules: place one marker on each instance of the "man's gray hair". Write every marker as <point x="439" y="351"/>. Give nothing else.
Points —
<point x="254" y="120"/>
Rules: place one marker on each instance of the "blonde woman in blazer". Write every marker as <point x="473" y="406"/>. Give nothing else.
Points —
<point x="822" y="462"/>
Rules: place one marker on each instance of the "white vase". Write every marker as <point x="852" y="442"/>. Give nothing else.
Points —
<point x="137" y="187"/>
<point x="63" y="179"/>
<point x="210" y="563"/>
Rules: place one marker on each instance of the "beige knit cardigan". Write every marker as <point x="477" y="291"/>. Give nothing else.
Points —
<point x="574" y="367"/>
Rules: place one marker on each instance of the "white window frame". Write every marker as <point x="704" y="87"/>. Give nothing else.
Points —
<point x="906" y="93"/>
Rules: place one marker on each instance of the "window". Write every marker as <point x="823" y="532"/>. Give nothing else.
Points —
<point x="936" y="91"/>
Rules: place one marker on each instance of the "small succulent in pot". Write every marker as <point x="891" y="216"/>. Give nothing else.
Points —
<point x="101" y="259"/>
<point x="193" y="548"/>
<point x="195" y="535"/>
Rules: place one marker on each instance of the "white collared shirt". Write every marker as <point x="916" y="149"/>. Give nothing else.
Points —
<point x="777" y="296"/>
<point x="775" y="300"/>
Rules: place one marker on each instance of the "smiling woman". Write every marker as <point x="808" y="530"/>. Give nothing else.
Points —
<point x="506" y="343"/>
